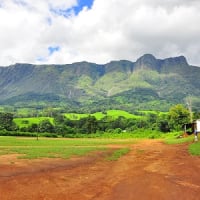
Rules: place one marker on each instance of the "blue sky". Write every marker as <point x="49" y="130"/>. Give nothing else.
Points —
<point x="53" y="49"/>
<point x="76" y="9"/>
<point x="81" y="4"/>
<point x="67" y="31"/>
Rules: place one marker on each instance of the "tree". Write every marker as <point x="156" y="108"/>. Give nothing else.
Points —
<point x="59" y="118"/>
<point x="91" y="124"/>
<point x="6" y="121"/>
<point x="33" y="128"/>
<point x="178" y="115"/>
<point x="46" y="126"/>
<point x="163" y="125"/>
<point x="196" y="115"/>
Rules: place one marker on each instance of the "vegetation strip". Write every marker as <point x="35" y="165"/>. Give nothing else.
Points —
<point x="58" y="152"/>
<point x="194" y="149"/>
<point x="30" y="148"/>
<point x="17" y="141"/>
<point x="118" y="154"/>
<point x="178" y="140"/>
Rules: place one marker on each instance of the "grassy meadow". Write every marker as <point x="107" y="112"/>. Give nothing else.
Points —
<point x="99" y="115"/>
<point x="25" y="122"/>
<point x="99" y="141"/>
<point x="114" y="114"/>
<point x="30" y="148"/>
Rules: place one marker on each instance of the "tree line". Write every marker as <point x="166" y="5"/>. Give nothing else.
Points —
<point x="172" y="121"/>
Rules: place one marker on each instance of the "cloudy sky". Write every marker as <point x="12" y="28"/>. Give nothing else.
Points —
<point x="66" y="31"/>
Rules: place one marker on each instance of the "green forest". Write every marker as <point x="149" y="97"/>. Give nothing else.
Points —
<point x="54" y="122"/>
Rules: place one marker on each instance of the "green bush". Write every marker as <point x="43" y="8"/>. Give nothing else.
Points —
<point x="17" y="133"/>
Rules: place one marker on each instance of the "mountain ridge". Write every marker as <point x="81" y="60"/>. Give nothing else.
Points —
<point x="85" y="83"/>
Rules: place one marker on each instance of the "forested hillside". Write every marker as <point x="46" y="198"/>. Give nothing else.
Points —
<point x="148" y="83"/>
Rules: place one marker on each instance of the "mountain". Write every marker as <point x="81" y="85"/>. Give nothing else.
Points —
<point x="148" y="83"/>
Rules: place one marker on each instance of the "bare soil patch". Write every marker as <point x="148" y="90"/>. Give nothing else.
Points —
<point x="151" y="170"/>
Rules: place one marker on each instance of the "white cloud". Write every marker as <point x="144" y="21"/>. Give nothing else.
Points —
<point x="113" y="29"/>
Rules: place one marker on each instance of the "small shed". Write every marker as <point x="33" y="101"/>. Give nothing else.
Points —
<point x="190" y="128"/>
<point x="196" y="125"/>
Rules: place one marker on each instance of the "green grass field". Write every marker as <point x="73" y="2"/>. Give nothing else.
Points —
<point x="25" y="122"/>
<point x="99" y="115"/>
<point x="146" y="112"/>
<point x="30" y="148"/>
<point x="114" y="114"/>
<point x="174" y="140"/>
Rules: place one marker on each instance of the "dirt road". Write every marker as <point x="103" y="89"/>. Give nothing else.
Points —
<point x="151" y="170"/>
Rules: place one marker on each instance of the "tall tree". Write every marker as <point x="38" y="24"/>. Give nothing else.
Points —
<point x="91" y="124"/>
<point x="178" y="115"/>
<point x="46" y="126"/>
<point x="6" y="121"/>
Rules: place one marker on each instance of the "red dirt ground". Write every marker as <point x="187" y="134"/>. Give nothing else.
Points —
<point x="151" y="170"/>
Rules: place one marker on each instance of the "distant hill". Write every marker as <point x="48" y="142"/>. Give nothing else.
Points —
<point x="148" y="83"/>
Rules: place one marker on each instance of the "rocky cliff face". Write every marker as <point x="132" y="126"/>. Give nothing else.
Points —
<point x="171" y="79"/>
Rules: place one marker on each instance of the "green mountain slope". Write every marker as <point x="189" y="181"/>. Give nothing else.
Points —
<point x="147" y="83"/>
